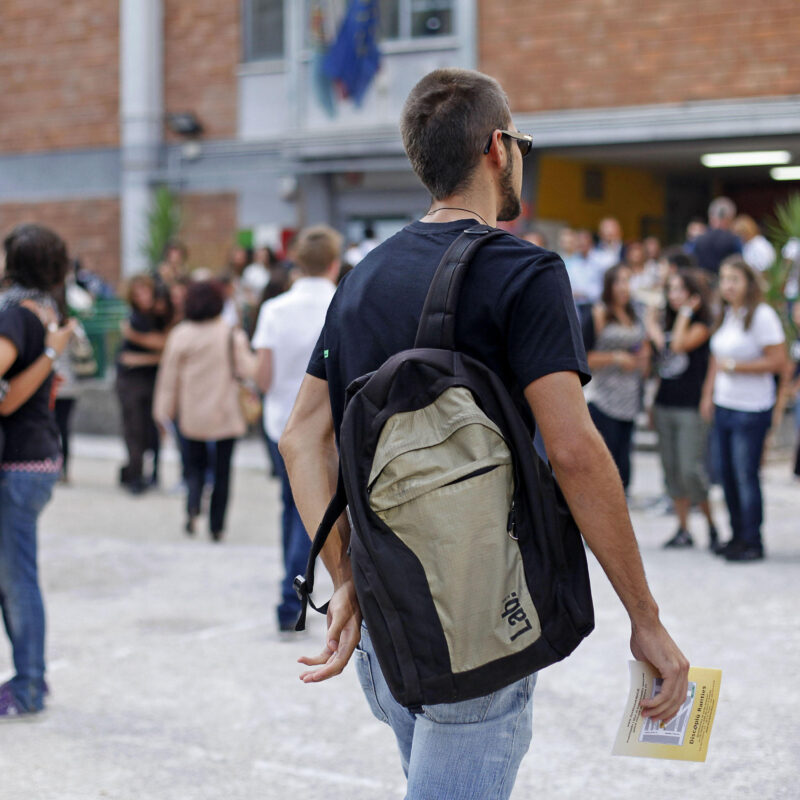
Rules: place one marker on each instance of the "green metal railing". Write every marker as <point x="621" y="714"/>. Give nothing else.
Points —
<point x="102" y="326"/>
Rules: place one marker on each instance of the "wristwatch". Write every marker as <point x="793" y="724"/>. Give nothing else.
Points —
<point x="50" y="353"/>
<point x="729" y="365"/>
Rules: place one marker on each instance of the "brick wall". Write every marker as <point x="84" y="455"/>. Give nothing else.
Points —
<point x="90" y="227"/>
<point x="596" y="53"/>
<point x="59" y="72"/>
<point x="209" y="228"/>
<point x="201" y="54"/>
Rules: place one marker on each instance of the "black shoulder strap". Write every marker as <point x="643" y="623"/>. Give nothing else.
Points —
<point x="437" y="325"/>
<point x="304" y="584"/>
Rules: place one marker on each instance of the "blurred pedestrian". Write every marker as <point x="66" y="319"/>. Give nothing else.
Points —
<point x="618" y="355"/>
<point x="680" y="336"/>
<point x="795" y="386"/>
<point x="610" y="249"/>
<point x="198" y="384"/>
<point x="30" y="462"/>
<point x="739" y="393"/>
<point x="756" y="250"/>
<point x="718" y="242"/>
<point x="143" y="338"/>
<point x="287" y="330"/>
<point x="585" y="278"/>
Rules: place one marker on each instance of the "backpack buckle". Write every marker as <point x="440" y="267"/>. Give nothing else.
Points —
<point x="301" y="587"/>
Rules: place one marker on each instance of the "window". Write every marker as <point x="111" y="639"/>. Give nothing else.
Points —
<point x="262" y="29"/>
<point x="411" y="19"/>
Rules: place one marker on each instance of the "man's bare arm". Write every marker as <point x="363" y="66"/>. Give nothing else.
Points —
<point x="264" y="369"/>
<point x="309" y="450"/>
<point x="590" y="482"/>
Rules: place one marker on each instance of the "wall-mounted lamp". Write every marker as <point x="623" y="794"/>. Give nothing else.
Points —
<point x="185" y="123"/>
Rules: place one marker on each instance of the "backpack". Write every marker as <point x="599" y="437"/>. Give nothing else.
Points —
<point x="468" y="566"/>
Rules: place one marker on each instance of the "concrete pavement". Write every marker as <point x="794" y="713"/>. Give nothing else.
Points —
<point x="170" y="682"/>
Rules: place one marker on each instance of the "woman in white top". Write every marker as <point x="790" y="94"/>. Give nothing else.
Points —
<point x="747" y="352"/>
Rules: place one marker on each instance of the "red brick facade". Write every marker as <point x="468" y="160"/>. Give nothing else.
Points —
<point x="89" y="227"/>
<point x="596" y="53"/>
<point x="59" y="75"/>
<point x="201" y="55"/>
<point x="209" y="228"/>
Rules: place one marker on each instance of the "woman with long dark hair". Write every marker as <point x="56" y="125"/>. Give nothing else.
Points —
<point x="618" y="355"/>
<point x="680" y="337"/>
<point x="747" y="350"/>
<point x="30" y="462"/>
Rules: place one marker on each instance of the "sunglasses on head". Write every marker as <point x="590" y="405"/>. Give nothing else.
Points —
<point x="523" y="140"/>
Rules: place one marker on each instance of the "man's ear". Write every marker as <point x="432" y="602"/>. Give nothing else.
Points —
<point x="332" y="272"/>
<point x="498" y="154"/>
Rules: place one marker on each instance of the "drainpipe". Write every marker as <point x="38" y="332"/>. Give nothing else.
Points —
<point x="141" y="121"/>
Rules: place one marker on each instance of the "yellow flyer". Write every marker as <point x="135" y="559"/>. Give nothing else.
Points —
<point x="685" y="737"/>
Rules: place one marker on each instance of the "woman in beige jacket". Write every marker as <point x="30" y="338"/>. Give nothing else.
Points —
<point x="197" y="386"/>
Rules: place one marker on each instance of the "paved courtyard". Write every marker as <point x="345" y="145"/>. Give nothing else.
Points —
<point x="170" y="682"/>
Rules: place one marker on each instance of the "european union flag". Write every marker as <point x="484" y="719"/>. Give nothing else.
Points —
<point x="354" y="57"/>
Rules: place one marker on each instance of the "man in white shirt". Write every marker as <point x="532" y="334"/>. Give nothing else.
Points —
<point x="287" y="329"/>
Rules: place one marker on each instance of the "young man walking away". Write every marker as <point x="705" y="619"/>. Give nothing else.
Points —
<point x="287" y="329"/>
<point x="516" y="315"/>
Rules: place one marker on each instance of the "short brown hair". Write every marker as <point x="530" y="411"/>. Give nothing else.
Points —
<point x="204" y="300"/>
<point x="447" y="120"/>
<point x="317" y="248"/>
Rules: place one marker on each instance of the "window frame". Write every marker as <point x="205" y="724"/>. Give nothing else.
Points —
<point x="404" y="24"/>
<point x="246" y="28"/>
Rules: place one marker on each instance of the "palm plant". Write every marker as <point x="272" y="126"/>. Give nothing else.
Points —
<point x="163" y="223"/>
<point x="785" y="226"/>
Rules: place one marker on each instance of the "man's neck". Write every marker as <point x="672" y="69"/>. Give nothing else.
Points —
<point x="459" y="206"/>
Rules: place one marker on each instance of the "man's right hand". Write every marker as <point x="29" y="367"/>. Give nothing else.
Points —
<point x="342" y="636"/>
<point x="654" y="645"/>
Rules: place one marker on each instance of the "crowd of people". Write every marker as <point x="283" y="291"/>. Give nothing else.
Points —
<point x="686" y="335"/>
<point x="682" y="333"/>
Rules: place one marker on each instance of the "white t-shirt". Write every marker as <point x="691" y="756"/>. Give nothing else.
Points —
<point x="289" y="325"/>
<point x="742" y="391"/>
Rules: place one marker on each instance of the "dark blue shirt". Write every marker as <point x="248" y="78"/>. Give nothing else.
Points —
<point x="515" y="313"/>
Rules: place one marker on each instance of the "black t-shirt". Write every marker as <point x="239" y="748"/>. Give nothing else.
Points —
<point x="30" y="432"/>
<point x="682" y="375"/>
<point x="141" y="323"/>
<point x="515" y="313"/>
<point x="712" y="247"/>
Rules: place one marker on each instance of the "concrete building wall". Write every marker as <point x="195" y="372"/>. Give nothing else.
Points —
<point x="595" y="53"/>
<point x="201" y="56"/>
<point x="59" y="74"/>
<point x="89" y="226"/>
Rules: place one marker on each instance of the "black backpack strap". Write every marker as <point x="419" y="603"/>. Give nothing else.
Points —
<point x="437" y="325"/>
<point x="304" y="584"/>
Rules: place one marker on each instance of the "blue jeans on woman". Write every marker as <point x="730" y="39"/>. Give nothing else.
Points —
<point x="618" y="436"/>
<point x="296" y="546"/>
<point x="23" y="495"/>
<point x="451" y="751"/>
<point x="740" y="442"/>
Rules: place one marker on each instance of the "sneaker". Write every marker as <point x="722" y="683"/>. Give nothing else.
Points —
<point x="681" y="539"/>
<point x="10" y="709"/>
<point x="713" y="538"/>
<point x="752" y="553"/>
<point x="723" y="548"/>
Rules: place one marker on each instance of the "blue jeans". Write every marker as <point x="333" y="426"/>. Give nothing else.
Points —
<point x="740" y="441"/>
<point x="23" y="495"/>
<point x="296" y="544"/>
<point x="618" y="436"/>
<point x="453" y="751"/>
